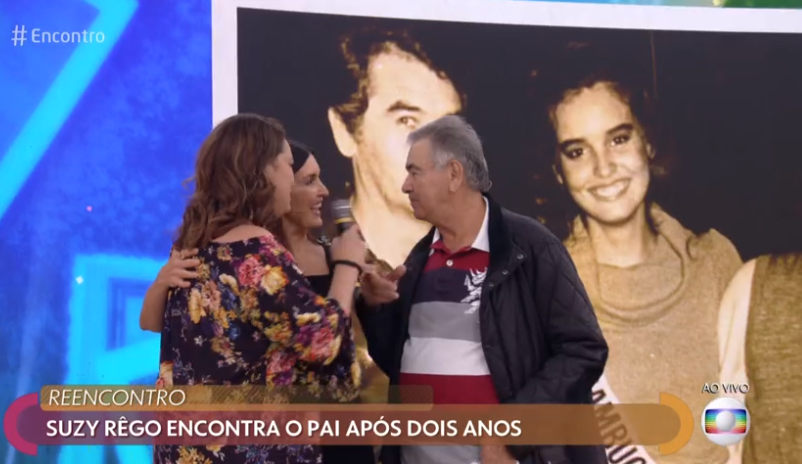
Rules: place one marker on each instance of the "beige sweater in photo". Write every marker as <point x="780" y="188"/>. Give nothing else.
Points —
<point x="660" y="320"/>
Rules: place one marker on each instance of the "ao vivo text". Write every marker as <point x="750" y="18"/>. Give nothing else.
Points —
<point x="729" y="388"/>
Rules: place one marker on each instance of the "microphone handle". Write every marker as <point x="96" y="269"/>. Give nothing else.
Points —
<point x="343" y="225"/>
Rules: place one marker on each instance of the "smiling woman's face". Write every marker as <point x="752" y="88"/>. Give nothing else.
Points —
<point x="603" y="156"/>
<point x="307" y="195"/>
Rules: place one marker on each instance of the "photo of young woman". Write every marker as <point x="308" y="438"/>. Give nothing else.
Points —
<point x="655" y="286"/>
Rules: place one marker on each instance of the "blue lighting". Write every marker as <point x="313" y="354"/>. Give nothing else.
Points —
<point x="104" y="343"/>
<point x="30" y="145"/>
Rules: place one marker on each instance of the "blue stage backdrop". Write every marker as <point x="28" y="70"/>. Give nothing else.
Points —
<point x="95" y="141"/>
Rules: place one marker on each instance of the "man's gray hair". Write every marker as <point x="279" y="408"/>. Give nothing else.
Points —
<point x="453" y="138"/>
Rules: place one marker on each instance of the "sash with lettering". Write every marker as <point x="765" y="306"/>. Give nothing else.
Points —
<point x="615" y="426"/>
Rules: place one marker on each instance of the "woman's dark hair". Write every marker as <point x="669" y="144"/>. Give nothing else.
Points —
<point x="582" y="66"/>
<point x="300" y="153"/>
<point x="231" y="187"/>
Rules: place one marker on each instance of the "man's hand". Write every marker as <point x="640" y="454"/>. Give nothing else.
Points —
<point x="496" y="455"/>
<point x="378" y="289"/>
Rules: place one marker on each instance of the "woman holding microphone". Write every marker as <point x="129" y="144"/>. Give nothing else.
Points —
<point x="321" y="262"/>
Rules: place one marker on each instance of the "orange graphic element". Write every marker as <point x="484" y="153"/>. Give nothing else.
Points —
<point x="685" y="420"/>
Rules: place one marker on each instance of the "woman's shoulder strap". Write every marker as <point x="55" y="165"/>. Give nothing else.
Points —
<point x="325" y="242"/>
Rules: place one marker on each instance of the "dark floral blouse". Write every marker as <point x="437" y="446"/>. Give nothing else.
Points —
<point x="252" y="318"/>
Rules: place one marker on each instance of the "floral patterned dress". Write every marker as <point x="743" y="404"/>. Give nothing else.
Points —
<point x="252" y="318"/>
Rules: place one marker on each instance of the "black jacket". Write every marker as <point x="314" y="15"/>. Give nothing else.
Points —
<point x="541" y="338"/>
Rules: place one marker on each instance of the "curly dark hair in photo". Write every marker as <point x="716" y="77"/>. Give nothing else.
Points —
<point x="231" y="187"/>
<point x="357" y="48"/>
<point x="584" y="65"/>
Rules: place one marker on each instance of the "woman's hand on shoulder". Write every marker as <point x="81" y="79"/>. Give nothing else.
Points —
<point x="179" y="270"/>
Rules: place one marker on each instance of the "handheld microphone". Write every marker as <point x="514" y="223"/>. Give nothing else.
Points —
<point x="341" y="212"/>
<point x="344" y="219"/>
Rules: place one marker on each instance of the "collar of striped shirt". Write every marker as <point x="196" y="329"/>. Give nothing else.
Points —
<point x="482" y="240"/>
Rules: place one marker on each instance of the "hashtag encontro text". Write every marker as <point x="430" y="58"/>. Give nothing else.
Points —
<point x="20" y="35"/>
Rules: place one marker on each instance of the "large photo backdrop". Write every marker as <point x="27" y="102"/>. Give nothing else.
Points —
<point x="660" y="147"/>
<point x="97" y="139"/>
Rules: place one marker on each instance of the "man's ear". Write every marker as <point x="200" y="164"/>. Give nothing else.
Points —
<point x="456" y="173"/>
<point x="342" y="136"/>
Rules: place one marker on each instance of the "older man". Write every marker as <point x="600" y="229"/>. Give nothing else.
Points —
<point x="392" y="87"/>
<point x="488" y="307"/>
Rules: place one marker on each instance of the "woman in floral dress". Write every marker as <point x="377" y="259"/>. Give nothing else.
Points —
<point x="249" y="317"/>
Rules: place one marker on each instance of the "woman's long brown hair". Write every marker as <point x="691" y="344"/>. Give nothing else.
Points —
<point x="231" y="186"/>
